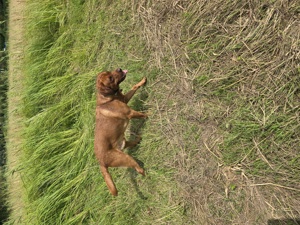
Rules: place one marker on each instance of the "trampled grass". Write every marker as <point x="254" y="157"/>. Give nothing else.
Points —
<point x="221" y="145"/>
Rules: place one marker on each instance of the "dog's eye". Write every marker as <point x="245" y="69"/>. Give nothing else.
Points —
<point x="111" y="79"/>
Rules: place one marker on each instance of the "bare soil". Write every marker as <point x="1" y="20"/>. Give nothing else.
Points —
<point x="15" y="120"/>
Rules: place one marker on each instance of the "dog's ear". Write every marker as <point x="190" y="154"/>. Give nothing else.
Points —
<point x="105" y="85"/>
<point x="99" y="83"/>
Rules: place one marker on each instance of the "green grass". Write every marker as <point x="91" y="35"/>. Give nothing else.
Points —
<point x="69" y="44"/>
<point x="223" y="98"/>
<point x="3" y="110"/>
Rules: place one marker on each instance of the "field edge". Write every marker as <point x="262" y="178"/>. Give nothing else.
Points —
<point x="15" y="119"/>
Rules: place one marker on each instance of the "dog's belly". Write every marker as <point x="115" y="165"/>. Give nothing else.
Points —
<point x="121" y="141"/>
<point x="109" y="132"/>
<point x="125" y="124"/>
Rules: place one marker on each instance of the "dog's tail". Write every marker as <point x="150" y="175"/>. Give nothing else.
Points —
<point x="109" y="182"/>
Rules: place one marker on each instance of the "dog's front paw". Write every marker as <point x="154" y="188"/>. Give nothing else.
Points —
<point x="142" y="82"/>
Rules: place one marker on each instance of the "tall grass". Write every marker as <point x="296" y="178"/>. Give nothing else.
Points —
<point x="68" y="44"/>
<point x="223" y="99"/>
<point x="3" y="113"/>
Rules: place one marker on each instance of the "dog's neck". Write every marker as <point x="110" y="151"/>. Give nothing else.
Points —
<point x="103" y="98"/>
<point x="107" y="91"/>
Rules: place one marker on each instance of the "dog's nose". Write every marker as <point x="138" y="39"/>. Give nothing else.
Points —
<point x="119" y="70"/>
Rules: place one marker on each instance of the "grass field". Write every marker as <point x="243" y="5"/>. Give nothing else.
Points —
<point x="221" y="145"/>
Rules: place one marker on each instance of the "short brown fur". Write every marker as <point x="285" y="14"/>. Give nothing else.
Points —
<point x="112" y="117"/>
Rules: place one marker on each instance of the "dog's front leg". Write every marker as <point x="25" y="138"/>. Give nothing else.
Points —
<point x="136" y="114"/>
<point x="129" y="144"/>
<point x="129" y="94"/>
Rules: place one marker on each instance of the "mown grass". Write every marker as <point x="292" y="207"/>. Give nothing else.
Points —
<point x="223" y="95"/>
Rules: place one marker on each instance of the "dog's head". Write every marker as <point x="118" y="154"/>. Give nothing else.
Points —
<point x="108" y="82"/>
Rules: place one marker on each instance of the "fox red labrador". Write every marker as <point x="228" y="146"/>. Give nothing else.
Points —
<point x="112" y="117"/>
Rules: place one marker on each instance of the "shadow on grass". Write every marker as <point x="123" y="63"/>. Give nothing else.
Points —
<point x="4" y="213"/>
<point x="136" y="127"/>
<point x="295" y="221"/>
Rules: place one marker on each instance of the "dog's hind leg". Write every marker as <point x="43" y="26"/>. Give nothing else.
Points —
<point x="108" y="180"/>
<point x="118" y="158"/>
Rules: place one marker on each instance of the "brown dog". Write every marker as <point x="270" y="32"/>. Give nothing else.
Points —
<point x="112" y="118"/>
